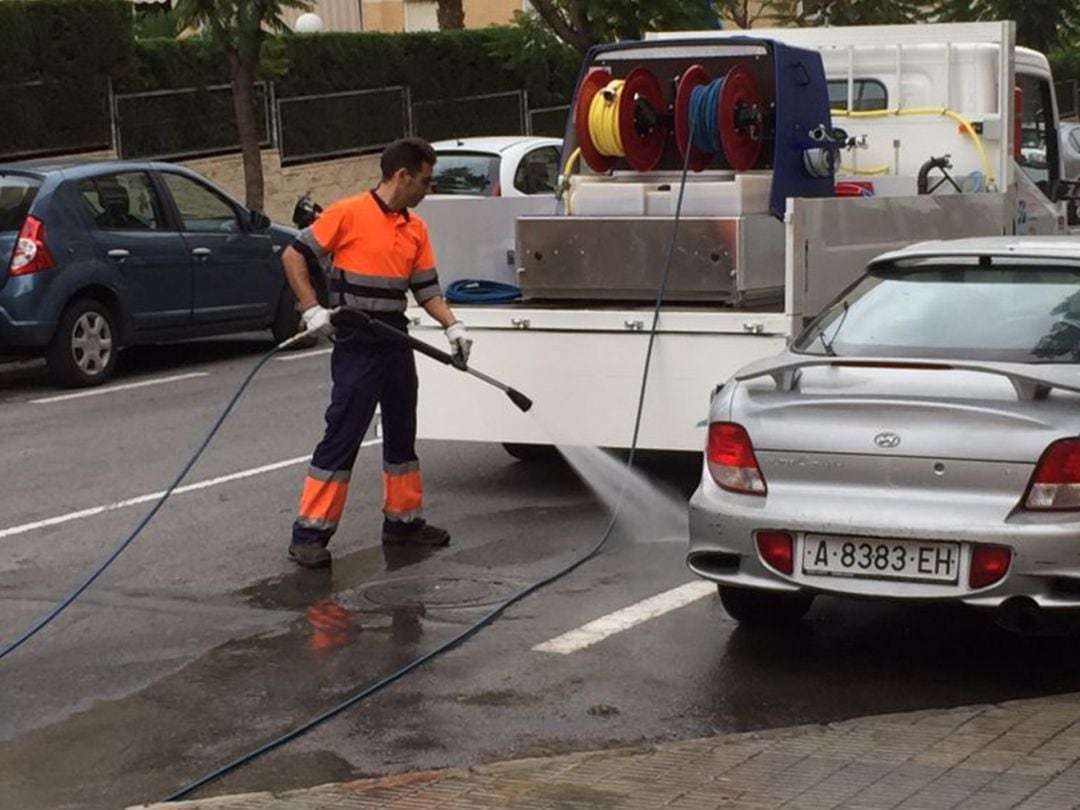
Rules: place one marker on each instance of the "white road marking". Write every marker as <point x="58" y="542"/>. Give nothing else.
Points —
<point x="285" y="358"/>
<point x="95" y="392"/>
<point x="153" y="496"/>
<point x="599" y="629"/>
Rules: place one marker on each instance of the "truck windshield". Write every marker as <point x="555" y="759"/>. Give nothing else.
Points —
<point x="1026" y="313"/>
<point x="466" y="173"/>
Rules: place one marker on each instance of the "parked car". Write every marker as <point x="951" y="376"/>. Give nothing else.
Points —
<point x="506" y="166"/>
<point x="100" y="255"/>
<point x="1069" y="137"/>
<point x="917" y="442"/>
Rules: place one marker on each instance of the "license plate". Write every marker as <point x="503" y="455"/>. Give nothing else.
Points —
<point x="874" y="558"/>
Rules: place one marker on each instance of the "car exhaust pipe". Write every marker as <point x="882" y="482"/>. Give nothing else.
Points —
<point x="1020" y="614"/>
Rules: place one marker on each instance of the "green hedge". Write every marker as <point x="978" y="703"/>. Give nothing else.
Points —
<point x="46" y="41"/>
<point x="53" y="85"/>
<point x="435" y="65"/>
<point x="50" y="39"/>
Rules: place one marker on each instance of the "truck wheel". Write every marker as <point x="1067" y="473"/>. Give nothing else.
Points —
<point x="287" y="321"/>
<point x="532" y="453"/>
<point x="83" y="350"/>
<point x="764" y="608"/>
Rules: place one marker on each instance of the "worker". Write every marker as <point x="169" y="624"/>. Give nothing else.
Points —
<point x="378" y="251"/>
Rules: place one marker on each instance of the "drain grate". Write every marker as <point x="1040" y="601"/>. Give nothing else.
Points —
<point x="439" y="592"/>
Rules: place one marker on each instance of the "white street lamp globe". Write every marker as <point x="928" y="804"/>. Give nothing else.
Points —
<point x="308" y="23"/>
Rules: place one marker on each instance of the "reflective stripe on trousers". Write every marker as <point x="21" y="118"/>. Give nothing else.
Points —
<point x="364" y="375"/>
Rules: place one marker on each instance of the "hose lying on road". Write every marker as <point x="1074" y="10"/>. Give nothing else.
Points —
<point x="499" y="609"/>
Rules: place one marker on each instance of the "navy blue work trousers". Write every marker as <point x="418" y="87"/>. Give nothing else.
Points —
<point x="365" y="374"/>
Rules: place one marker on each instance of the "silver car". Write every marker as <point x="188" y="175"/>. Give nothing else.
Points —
<point x="919" y="441"/>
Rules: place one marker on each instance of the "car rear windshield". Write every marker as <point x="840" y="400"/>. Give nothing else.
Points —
<point x="466" y="173"/>
<point x="17" y="192"/>
<point x="1020" y="313"/>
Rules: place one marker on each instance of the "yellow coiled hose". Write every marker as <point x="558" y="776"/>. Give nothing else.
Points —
<point x="603" y="131"/>
<point x="604" y="119"/>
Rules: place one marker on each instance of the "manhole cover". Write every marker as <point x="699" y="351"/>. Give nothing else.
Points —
<point x="439" y="592"/>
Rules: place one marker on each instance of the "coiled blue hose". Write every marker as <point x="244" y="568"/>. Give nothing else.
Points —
<point x="703" y="103"/>
<point x="481" y="291"/>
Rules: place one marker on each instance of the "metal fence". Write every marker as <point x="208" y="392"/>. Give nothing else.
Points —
<point x="486" y="114"/>
<point x="548" y="121"/>
<point x="194" y="121"/>
<point x="183" y="123"/>
<point x="50" y="117"/>
<point x="332" y="124"/>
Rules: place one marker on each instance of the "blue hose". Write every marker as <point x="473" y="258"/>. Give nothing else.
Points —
<point x="704" y="100"/>
<point x="481" y="291"/>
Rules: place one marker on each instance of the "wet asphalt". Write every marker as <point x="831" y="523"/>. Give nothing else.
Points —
<point x="203" y="642"/>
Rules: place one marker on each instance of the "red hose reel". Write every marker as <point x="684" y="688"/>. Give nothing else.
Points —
<point x="644" y="119"/>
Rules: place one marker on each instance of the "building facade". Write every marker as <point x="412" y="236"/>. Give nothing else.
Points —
<point x="405" y="15"/>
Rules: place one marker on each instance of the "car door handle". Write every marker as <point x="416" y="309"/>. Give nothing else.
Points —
<point x="119" y="253"/>
<point x="200" y="253"/>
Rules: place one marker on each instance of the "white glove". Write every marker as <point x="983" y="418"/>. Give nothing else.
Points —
<point x="460" y="342"/>
<point x="316" y="320"/>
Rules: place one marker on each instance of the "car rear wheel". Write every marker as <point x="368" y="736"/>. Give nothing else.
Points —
<point x="83" y="350"/>
<point x="764" y="608"/>
<point x="532" y="453"/>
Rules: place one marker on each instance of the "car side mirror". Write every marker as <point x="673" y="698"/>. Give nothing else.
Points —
<point x="258" y="220"/>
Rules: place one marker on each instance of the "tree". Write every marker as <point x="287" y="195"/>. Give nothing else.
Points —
<point x="847" y="12"/>
<point x="240" y="27"/>
<point x="584" y="23"/>
<point x="1040" y="24"/>
<point x="451" y="14"/>
<point x="744" y="13"/>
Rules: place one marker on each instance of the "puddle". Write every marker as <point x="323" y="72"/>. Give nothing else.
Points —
<point x="300" y="587"/>
<point x="238" y="695"/>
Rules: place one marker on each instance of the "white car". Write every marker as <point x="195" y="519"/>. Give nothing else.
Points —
<point x="1069" y="137"/>
<point x="503" y="166"/>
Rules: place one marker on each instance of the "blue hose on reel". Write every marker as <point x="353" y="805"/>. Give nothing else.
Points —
<point x="481" y="291"/>
<point x="704" y="100"/>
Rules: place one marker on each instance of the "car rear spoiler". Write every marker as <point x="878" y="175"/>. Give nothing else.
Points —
<point x="1030" y="382"/>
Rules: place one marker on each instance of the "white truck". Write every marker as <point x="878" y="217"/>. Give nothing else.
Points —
<point x="939" y="123"/>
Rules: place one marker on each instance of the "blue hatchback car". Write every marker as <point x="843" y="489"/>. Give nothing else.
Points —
<point x="95" y="256"/>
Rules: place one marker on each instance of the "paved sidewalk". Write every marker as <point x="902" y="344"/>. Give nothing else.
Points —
<point x="1024" y="753"/>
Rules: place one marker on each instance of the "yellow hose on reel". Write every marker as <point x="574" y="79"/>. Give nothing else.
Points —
<point x="604" y="119"/>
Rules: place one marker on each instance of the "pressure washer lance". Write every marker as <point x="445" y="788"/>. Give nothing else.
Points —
<point x="352" y="317"/>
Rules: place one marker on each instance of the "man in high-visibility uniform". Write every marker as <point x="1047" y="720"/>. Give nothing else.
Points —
<point x="379" y="251"/>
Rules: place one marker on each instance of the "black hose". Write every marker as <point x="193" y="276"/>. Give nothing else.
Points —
<point x="495" y="612"/>
<point x="63" y="604"/>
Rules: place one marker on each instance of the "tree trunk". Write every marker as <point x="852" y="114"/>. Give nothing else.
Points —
<point x="242" y="73"/>
<point x="576" y="37"/>
<point x="451" y="14"/>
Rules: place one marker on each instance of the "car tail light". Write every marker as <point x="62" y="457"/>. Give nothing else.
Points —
<point x="731" y="459"/>
<point x="777" y="549"/>
<point x="1055" y="484"/>
<point x="31" y="253"/>
<point x="988" y="565"/>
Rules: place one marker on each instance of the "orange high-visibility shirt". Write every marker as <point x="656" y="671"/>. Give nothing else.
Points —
<point x="377" y="253"/>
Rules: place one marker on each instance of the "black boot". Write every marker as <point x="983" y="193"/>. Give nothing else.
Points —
<point x="309" y="555"/>
<point x="414" y="533"/>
